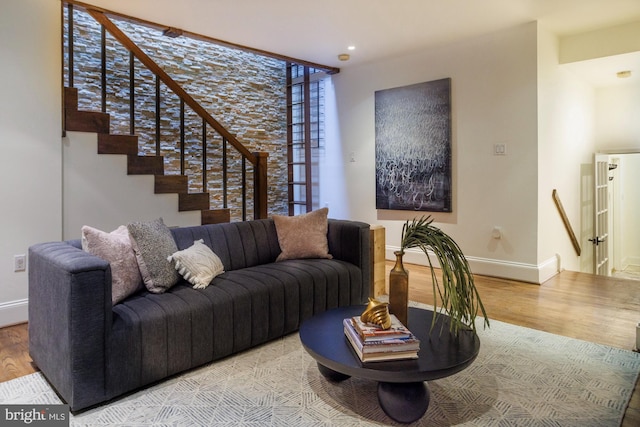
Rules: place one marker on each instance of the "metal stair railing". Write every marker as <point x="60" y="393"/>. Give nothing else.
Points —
<point x="257" y="159"/>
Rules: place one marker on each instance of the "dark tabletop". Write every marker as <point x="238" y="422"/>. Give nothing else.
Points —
<point x="441" y="354"/>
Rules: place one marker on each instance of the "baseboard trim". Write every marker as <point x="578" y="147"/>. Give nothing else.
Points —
<point x="14" y="312"/>
<point x="630" y="261"/>
<point x="490" y="267"/>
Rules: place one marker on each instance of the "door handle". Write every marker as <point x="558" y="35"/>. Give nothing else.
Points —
<point x="596" y="241"/>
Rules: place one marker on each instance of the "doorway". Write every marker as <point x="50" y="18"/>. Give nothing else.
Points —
<point x="623" y="223"/>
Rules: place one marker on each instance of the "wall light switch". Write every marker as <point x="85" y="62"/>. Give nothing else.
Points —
<point x="19" y="262"/>
<point x="500" y="149"/>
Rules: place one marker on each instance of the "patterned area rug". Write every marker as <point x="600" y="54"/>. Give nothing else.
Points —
<point x="521" y="377"/>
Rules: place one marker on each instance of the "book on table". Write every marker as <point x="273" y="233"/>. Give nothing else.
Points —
<point x="384" y="349"/>
<point x="370" y="332"/>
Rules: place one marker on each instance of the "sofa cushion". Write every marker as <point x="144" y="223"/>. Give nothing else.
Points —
<point x="197" y="264"/>
<point x="159" y="335"/>
<point x="303" y="236"/>
<point x="153" y="243"/>
<point x="239" y="244"/>
<point x="115" y="247"/>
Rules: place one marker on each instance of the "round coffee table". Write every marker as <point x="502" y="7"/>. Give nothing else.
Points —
<point x="402" y="392"/>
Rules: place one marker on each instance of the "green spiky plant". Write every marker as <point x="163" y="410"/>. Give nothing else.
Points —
<point x="457" y="290"/>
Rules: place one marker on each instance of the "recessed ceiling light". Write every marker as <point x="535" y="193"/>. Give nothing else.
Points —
<point x="623" y="74"/>
<point x="352" y="47"/>
<point x="344" y="57"/>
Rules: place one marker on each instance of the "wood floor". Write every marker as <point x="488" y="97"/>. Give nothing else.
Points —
<point x="592" y="308"/>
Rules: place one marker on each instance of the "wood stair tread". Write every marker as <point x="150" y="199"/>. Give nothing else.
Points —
<point x="87" y="121"/>
<point x="145" y="165"/>
<point x="215" y="216"/>
<point x="171" y="184"/>
<point x="117" y="144"/>
<point x="193" y="201"/>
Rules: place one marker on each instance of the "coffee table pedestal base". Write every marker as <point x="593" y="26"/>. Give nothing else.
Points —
<point x="404" y="402"/>
<point x="332" y="375"/>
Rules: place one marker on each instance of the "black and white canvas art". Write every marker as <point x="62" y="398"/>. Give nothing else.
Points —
<point x="413" y="147"/>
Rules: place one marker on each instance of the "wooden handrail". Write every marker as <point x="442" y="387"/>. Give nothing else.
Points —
<point x="150" y="24"/>
<point x="565" y="221"/>
<point x="169" y="82"/>
<point x="257" y="159"/>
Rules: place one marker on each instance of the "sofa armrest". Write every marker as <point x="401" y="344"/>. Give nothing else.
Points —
<point x="70" y="318"/>
<point x="350" y="241"/>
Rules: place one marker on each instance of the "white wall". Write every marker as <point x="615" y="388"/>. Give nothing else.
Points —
<point x="30" y="135"/>
<point x="630" y="210"/>
<point x="31" y="188"/>
<point x="566" y="143"/>
<point x="617" y="125"/>
<point x="494" y="100"/>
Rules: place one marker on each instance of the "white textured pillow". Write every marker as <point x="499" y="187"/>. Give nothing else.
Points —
<point x="115" y="247"/>
<point x="197" y="264"/>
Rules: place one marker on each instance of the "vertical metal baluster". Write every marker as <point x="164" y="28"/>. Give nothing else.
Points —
<point x="132" y="95"/>
<point x="244" y="188"/>
<point x="103" y="67"/>
<point x="70" y="41"/>
<point x="204" y="155"/>
<point x="158" y="101"/>
<point x="181" y="137"/>
<point x="224" y="172"/>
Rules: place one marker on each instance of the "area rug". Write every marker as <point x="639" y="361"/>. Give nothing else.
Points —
<point x="522" y="377"/>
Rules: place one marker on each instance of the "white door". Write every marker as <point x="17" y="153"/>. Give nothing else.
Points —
<point x="601" y="215"/>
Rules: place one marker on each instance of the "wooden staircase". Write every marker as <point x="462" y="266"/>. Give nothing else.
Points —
<point x="90" y="121"/>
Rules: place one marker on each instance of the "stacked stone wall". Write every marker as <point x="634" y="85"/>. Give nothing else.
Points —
<point x="245" y="92"/>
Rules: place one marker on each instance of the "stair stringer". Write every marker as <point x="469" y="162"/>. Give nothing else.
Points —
<point x="97" y="191"/>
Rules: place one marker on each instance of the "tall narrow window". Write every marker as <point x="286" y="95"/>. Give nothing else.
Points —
<point x="305" y="135"/>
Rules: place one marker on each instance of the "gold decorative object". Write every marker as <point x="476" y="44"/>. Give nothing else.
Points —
<point x="377" y="313"/>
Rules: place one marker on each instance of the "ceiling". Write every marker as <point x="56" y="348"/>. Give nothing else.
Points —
<point x="321" y="30"/>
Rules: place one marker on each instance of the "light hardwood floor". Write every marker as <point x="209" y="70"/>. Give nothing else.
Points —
<point x="592" y="308"/>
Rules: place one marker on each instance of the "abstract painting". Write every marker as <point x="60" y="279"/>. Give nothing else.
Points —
<point x="413" y="147"/>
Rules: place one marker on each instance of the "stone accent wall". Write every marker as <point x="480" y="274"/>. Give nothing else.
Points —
<point x="245" y="92"/>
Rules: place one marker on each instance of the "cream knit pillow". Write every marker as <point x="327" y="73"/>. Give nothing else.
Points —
<point x="197" y="264"/>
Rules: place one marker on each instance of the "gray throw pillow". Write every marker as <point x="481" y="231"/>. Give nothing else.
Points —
<point x="152" y="243"/>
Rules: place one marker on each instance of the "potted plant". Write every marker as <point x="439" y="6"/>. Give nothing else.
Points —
<point x="456" y="288"/>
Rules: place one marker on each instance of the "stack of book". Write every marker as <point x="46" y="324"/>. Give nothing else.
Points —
<point x="374" y="344"/>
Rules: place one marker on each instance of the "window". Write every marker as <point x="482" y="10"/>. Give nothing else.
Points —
<point x="305" y="135"/>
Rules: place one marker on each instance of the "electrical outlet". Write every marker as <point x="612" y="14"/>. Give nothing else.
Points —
<point x="19" y="262"/>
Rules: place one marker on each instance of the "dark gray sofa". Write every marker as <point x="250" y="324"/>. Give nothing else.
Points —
<point x="91" y="351"/>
